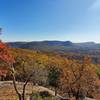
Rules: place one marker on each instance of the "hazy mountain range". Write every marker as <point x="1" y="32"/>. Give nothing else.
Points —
<point x="56" y="46"/>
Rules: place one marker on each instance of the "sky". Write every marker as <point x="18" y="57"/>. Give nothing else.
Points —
<point x="36" y="20"/>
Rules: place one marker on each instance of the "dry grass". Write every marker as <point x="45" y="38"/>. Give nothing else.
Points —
<point x="7" y="91"/>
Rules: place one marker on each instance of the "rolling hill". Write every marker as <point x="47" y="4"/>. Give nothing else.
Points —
<point x="60" y="46"/>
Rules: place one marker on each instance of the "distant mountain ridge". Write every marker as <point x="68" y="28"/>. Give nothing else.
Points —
<point x="55" y="45"/>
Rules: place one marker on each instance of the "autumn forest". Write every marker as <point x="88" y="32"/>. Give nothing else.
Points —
<point x="62" y="76"/>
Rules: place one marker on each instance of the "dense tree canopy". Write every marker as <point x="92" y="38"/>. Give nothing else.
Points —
<point x="74" y="77"/>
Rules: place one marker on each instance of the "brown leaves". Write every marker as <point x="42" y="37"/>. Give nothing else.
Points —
<point x="78" y="76"/>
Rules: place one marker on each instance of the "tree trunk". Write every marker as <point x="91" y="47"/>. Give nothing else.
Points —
<point x="77" y="95"/>
<point x="55" y="91"/>
<point x="14" y="83"/>
<point x="23" y="94"/>
<point x="20" y="97"/>
<point x="24" y="86"/>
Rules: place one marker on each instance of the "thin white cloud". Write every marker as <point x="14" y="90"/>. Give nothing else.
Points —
<point x="95" y="5"/>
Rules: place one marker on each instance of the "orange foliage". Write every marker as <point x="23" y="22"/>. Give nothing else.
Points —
<point x="79" y="77"/>
<point x="5" y="53"/>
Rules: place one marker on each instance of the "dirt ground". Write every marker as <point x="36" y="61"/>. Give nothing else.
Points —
<point x="7" y="91"/>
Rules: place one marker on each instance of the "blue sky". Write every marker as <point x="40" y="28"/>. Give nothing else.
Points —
<point x="31" y="20"/>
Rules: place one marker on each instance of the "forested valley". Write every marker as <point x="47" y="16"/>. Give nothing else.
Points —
<point x="69" y="76"/>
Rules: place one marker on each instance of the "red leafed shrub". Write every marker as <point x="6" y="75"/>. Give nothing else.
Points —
<point x="5" y="54"/>
<point x="3" y="72"/>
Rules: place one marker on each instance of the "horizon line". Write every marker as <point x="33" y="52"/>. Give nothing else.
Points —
<point x="51" y="41"/>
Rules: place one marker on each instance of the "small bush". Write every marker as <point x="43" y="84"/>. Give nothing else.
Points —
<point x="44" y="94"/>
